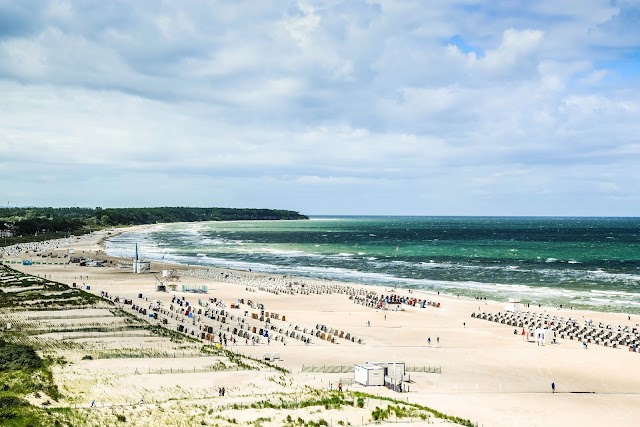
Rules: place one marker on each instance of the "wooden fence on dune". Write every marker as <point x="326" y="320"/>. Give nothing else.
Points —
<point x="345" y="369"/>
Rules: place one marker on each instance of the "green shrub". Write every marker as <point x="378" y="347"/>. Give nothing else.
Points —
<point x="12" y="402"/>
<point x="16" y="356"/>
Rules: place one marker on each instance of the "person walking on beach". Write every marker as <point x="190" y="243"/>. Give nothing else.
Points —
<point x="553" y="387"/>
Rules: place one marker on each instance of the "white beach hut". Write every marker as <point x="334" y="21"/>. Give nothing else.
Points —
<point x="543" y="336"/>
<point x="513" y="305"/>
<point x="369" y="375"/>
<point x="391" y="369"/>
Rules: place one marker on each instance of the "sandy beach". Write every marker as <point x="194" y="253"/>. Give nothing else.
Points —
<point x="487" y="373"/>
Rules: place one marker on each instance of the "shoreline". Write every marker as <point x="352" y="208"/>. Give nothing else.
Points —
<point x="104" y="235"/>
<point x="489" y="375"/>
<point x="612" y="308"/>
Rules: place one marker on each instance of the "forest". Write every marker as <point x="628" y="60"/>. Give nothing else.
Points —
<point x="27" y="223"/>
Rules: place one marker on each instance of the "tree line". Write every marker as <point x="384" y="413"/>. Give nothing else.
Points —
<point x="30" y="221"/>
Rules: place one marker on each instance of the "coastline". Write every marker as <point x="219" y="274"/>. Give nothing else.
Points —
<point x="344" y="252"/>
<point x="489" y="375"/>
<point x="96" y="242"/>
<point x="445" y="291"/>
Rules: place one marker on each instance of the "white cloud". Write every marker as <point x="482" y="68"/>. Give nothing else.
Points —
<point x="324" y="107"/>
<point x="302" y="27"/>
<point x="517" y="53"/>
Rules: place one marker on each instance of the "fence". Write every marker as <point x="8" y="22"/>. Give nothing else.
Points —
<point x="107" y="335"/>
<point x="425" y="369"/>
<point x="194" y="370"/>
<point x="76" y="316"/>
<point x="144" y="354"/>
<point x="328" y="369"/>
<point x="345" y="369"/>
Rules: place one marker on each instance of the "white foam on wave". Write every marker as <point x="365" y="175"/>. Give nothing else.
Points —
<point x="630" y="279"/>
<point x="152" y="249"/>
<point x="214" y="242"/>
<point x="280" y="253"/>
<point x="613" y="293"/>
<point x="276" y="251"/>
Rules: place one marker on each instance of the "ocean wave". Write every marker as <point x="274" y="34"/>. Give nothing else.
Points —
<point x="214" y="242"/>
<point x="613" y="293"/>
<point x="554" y="281"/>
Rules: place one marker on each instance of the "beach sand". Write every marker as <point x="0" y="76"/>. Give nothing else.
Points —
<point x="488" y="374"/>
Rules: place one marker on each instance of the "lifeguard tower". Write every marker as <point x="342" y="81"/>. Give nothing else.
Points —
<point x="168" y="279"/>
<point x="140" y="266"/>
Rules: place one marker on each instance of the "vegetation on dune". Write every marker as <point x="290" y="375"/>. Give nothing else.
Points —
<point x="34" y="292"/>
<point x="31" y="224"/>
<point x="30" y="397"/>
<point x="23" y="373"/>
<point x="14" y="357"/>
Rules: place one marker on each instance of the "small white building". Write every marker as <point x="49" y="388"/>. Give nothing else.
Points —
<point x="513" y="305"/>
<point x="391" y="369"/>
<point x="369" y="375"/>
<point x="543" y="336"/>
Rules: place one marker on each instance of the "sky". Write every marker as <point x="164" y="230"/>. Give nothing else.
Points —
<point x="353" y="107"/>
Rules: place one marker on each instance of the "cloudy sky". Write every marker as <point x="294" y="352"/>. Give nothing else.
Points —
<point x="437" y="107"/>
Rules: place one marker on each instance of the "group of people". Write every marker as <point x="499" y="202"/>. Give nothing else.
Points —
<point x="339" y="386"/>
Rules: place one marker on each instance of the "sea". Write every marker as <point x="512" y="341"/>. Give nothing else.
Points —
<point x="587" y="263"/>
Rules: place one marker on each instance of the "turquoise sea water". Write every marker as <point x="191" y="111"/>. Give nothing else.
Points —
<point x="582" y="262"/>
